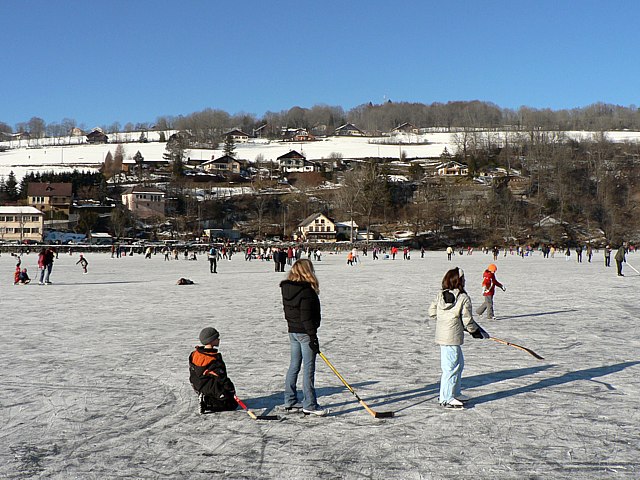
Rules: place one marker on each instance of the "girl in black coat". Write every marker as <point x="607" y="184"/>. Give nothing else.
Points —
<point x="302" y="312"/>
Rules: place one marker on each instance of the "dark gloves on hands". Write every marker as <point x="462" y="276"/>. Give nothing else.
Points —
<point x="314" y="344"/>
<point x="480" y="333"/>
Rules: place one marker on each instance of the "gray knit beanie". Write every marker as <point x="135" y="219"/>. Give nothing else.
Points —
<point x="208" y="335"/>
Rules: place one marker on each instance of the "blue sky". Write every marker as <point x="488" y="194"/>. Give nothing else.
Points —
<point x="134" y="60"/>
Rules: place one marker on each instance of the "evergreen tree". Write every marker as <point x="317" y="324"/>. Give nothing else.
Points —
<point x="107" y="166"/>
<point x="139" y="159"/>
<point x="175" y="153"/>
<point x="229" y="146"/>
<point x="11" y="187"/>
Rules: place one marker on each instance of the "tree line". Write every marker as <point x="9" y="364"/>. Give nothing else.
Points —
<point x="210" y="124"/>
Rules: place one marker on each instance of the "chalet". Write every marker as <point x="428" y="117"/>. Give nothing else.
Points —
<point x="452" y="168"/>
<point x="21" y="223"/>
<point x="406" y="127"/>
<point x="224" y="164"/>
<point x="291" y="159"/>
<point x="50" y="198"/>
<point x="144" y="202"/>
<point x="260" y="131"/>
<point x="97" y="136"/>
<point x="317" y="228"/>
<point x="238" y="136"/>
<point x="297" y="135"/>
<point x="76" y="132"/>
<point x="319" y="130"/>
<point x="348" y="130"/>
<point x="129" y="165"/>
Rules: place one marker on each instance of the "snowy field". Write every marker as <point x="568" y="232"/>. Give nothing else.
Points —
<point x="89" y="157"/>
<point x="95" y="377"/>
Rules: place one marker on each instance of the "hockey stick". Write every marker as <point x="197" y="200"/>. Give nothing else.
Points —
<point x="632" y="268"/>
<point x="373" y="413"/>
<point x="528" y="350"/>
<point x="253" y="415"/>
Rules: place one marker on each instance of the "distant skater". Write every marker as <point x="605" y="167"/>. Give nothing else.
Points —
<point x="620" y="258"/>
<point x="83" y="262"/>
<point x="489" y="284"/>
<point x="607" y="256"/>
<point x="213" y="259"/>
<point x="449" y="253"/>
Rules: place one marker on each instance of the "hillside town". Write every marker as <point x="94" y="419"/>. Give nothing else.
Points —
<point x="484" y="187"/>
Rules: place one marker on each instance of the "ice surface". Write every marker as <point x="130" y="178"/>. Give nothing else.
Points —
<point x="94" y="375"/>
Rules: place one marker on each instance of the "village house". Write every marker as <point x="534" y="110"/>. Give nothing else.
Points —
<point x="224" y="164"/>
<point x="347" y="230"/>
<point x="237" y="136"/>
<point x="452" y="168"/>
<point x="406" y="127"/>
<point x="144" y="202"/>
<point x="50" y="198"/>
<point x="297" y="135"/>
<point x="291" y="160"/>
<point x="21" y="223"/>
<point x="97" y="136"/>
<point x="260" y="131"/>
<point x="316" y="228"/>
<point x="296" y="162"/>
<point x="348" y="130"/>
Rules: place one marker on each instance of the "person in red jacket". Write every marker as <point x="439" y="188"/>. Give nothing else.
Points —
<point x="489" y="284"/>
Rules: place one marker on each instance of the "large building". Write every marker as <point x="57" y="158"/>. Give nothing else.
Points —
<point x="50" y="198"/>
<point x="21" y="223"/>
<point x="316" y="228"/>
<point x="144" y="202"/>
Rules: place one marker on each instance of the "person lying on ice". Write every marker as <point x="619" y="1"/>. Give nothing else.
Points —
<point x="208" y="374"/>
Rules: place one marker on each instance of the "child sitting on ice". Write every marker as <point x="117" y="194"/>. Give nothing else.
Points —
<point x="23" y="278"/>
<point x="208" y="374"/>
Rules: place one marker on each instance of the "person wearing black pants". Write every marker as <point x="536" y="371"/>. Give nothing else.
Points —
<point x="620" y="258"/>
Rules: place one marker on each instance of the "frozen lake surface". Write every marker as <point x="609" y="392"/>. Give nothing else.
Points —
<point x="95" y="384"/>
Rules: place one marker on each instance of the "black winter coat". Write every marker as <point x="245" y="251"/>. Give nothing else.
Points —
<point x="301" y="307"/>
<point x="208" y="375"/>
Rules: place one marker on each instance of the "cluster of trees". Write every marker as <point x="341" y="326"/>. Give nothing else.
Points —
<point x="208" y="125"/>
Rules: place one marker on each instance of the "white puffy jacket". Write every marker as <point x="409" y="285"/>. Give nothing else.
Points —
<point x="453" y="314"/>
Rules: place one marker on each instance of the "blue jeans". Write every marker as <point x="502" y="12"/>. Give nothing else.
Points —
<point x="452" y="364"/>
<point x="301" y="353"/>
<point x="47" y="272"/>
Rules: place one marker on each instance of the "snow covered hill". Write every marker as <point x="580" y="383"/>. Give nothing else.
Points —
<point x="89" y="157"/>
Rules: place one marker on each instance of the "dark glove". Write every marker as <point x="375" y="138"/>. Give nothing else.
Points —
<point x="314" y="344"/>
<point x="504" y="289"/>
<point x="480" y="333"/>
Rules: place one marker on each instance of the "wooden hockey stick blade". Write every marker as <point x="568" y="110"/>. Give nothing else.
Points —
<point x="525" y="349"/>
<point x="384" y="414"/>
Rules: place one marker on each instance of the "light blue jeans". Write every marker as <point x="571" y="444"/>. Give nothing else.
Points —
<point x="301" y="353"/>
<point x="452" y="364"/>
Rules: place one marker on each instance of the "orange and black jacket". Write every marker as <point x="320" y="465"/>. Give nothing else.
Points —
<point x="208" y="374"/>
